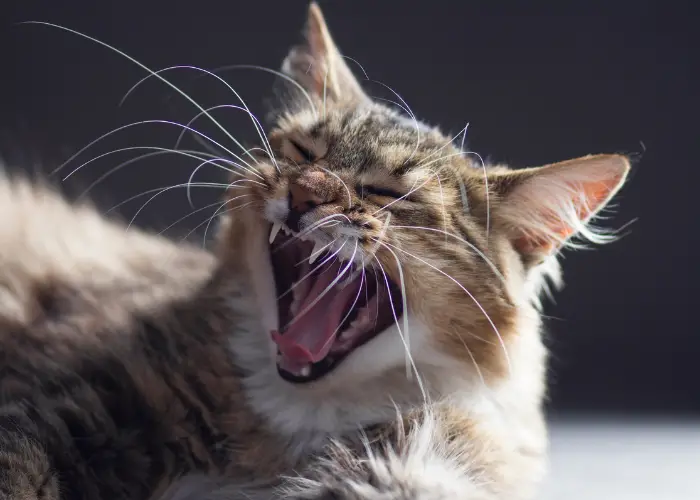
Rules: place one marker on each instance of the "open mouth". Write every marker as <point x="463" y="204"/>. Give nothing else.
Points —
<point x="326" y="307"/>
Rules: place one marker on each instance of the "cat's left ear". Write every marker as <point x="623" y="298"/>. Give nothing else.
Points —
<point x="318" y="66"/>
<point x="541" y="208"/>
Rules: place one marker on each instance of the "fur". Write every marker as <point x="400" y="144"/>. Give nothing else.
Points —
<point x="137" y="367"/>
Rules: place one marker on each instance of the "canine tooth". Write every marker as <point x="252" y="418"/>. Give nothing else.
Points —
<point x="305" y="371"/>
<point x="315" y="252"/>
<point x="275" y="230"/>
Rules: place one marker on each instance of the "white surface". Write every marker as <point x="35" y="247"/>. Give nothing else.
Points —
<point x="624" y="461"/>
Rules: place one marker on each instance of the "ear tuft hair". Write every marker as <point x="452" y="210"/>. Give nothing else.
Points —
<point x="544" y="207"/>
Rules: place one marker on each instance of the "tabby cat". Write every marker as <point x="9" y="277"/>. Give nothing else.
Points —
<point x="365" y="326"/>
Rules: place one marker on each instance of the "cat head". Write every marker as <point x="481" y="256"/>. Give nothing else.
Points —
<point x="376" y="245"/>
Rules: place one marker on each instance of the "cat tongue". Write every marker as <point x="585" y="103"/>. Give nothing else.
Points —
<point x="311" y="333"/>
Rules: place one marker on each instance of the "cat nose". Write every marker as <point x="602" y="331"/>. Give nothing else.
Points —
<point x="304" y="198"/>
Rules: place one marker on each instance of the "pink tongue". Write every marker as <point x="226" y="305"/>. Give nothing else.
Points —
<point x="310" y="336"/>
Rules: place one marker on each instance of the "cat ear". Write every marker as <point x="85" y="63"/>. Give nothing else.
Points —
<point x="544" y="207"/>
<point x="318" y="66"/>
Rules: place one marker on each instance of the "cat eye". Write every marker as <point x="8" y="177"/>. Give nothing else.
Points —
<point x="370" y="190"/>
<point x="304" y="154"/>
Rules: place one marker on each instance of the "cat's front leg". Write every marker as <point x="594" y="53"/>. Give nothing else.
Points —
<point x="429" y="461"/>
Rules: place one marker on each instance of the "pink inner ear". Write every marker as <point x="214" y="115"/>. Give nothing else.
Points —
<point x="595" y="194"/>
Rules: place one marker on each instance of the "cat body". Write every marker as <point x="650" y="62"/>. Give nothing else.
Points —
<point x="366" y="325"/>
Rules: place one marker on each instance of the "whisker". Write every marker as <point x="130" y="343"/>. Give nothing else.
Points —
<point x="193" y="212"/>
<point x="155" y="151"/>
<point x="463" y="131"/>
<point x="462" y="240"/>
<point x="330" y="286"/>
<point x="404" y="304"/>
<point x="310" y="229"/>
<point x="332" y="338"/>
<point x="311" y="271"/>
<point x="202" y="110"/>
<point x="213" y="216"/>
<point x="401" y="335"/>
<point x="256" y="122"/>
<point x="471" y="296"/>
<point x="411" y="113"/>
<point x="142" y="66"/>
<point x="471" y="356"/>
<point x="358" y="64"/>
<point x="274" y="72"/>
<point x="168" y="188"/>
<point x="161" y="192"/>
<point x="213" y="162"/>
<point x="486" y="188"/>
<point x="258" y="126"/>
<point x="145" y="122"/>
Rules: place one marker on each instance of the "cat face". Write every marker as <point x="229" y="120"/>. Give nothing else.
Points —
<point x="386" y="246"/>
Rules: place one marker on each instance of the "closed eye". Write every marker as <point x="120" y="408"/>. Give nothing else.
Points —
<point x="369" y="190"/>
<point x="304" y="153"/>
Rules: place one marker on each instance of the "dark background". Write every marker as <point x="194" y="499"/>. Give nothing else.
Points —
<point x="537" y="83"/>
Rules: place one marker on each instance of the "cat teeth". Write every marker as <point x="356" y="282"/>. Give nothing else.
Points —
<point x="305" y="371"/>
<point x="274" y="231"/>
<point x="315" y="252"/>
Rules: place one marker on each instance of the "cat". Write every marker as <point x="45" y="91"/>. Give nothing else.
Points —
<point x="365" y="326"/>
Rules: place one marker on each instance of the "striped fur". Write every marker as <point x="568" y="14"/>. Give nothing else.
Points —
<point x="134" y="367"/>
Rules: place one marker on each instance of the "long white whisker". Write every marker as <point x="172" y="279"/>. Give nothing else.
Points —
<point x="214" y="161"/>
<point x="213" y="216"/>
<point x="471" y="296"/>
<point x="486" y="189"/>
<point x="168" y="188"/>
<point x="161" y="192"/>
<point x="258" y="126"/>
<point x="309" y="229"/>
<point x="311" y="271"/>
<point x="471" y="356"/>
<point x="256" y="122"/>
<point x="202" y="110"/>
<point x="274" y="72"/>
<point x="347" y="315"/>
<point x="217" y="212"/>
<point x="155" y="151"/>
<point x="463" y="131"/>
<point x="408" y="109"/>
<point x="330" y="286"/>
<point x="404" y="304"/>
<point x="401" y="335"/>
<point x="358" y="65"/>
<point x="190" y="214"/>
<point x="142" y="66"/>
<point x="462" y="240"/>
<point x="144" y="122"/>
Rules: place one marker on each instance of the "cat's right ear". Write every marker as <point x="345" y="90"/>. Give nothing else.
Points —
<point x="319" y="68"/>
